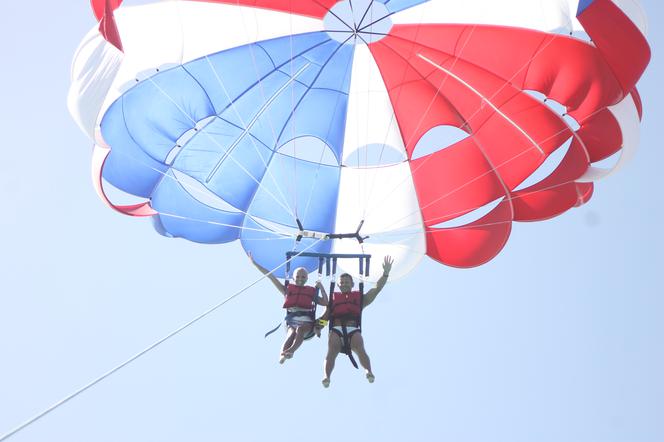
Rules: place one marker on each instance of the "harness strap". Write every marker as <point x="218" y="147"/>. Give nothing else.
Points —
<point x="290" y="315"/>
<point x="347" y="348"/>
<point x="273" y="330"/>
<point x="345" y="342"/>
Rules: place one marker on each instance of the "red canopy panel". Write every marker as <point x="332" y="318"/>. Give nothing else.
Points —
<point x="566" y="69"/>
<point x="601" y="135"/>
<point x="637" y="101"/>
<point x="474" y="244"/>
<point x="619" y="41"/>
<point x="101" y="6"/>
<point x="478" y="78"/>
<point x="103" y="10"/>
<point x="510" y="125"/>
<point x="311" y="8"/>
<point x="454" y="181"/>
<point x="556" y="193"/>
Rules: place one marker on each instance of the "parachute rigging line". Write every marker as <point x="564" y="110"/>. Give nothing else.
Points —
<point x="216" y="223"/>
<point x="262" y="90"/>
<point x="322" y="151"/>
<point x="144" y="351"/>
<point x="245" y="128"/>
<point x="505" y="84"/>
<point x="493" y="169"/>
<point x="450" y="79"/>
<point x="294" y="108"/>
<point x="429" y="229"/>
<point x="484" y="100"/>
<point x="431" y="102"/>
<point x="196" y="190"/>
<point x="214" y="141"/>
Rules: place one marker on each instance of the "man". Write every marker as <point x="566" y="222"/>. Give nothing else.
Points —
<point x="299" y="301"/>
<point x="344" y="311"/>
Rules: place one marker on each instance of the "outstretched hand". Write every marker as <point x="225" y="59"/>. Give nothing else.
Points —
<point x="387" y="264"/>
<point x="258" y="266"/>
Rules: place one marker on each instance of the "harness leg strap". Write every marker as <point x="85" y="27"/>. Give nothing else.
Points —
<point x="345" y="343"/>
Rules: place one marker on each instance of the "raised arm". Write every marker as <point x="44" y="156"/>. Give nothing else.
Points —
<point x="272" y="278"/>
<point x="322" y="299"/>
<point x="371" y="294"/>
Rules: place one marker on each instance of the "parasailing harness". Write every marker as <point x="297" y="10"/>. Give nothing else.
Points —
<point x="343" y="308"/>
<point x="329" y="263"/>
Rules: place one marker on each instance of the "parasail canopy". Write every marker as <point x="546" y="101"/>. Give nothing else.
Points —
<point x="431" y="126"/>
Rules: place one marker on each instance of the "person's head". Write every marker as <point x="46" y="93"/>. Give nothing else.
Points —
<point x="345" y="283"/>
<point x="301" y="275"/>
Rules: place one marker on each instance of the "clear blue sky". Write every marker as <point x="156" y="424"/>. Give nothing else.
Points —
<point x="559" y="339"/>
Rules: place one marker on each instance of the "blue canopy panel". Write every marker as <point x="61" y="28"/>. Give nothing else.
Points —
<point x="183" y="214"/>
<point x="230" y="155"/>
<point x="221" y="131"/>
<point x="335" y="61"/>
<point x="160" y="109"/>
<point x="267" y="107"/>
<point x="583" y="5"/>
<point x="325" y="66"/>
<point x="295" y="187"/>
<point x="128" y="167"/>
<point x="227" y="160"/>
<point x="311" y="190"/>
<point x="399" y="5"/>
<point x="269" y="249"/>
<point x="321" y="112"/>
<point x="264" y="109"/>
<point x="282" y="50"/>
<point x="228" y="74"/>
<point x="312" y="105"/>
<point x="143" y="125"/>
<point x="157" y="111"/>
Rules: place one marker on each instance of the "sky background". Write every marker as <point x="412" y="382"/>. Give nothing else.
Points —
<point x="558" y="339"/>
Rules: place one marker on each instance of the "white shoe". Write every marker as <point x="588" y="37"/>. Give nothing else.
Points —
<point x="326" y="382"/>
<point x="370" y="377"/>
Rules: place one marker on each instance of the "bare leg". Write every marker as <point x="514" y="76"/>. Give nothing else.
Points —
<point x="357" y="345"/>
<point x="290" y="337"/>
<point x="300" y="332"/>
<point x="333" y="349"/>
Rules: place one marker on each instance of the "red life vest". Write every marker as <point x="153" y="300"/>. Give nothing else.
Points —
<point x="299" y="296"/>
<point x="347" y="305"/>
